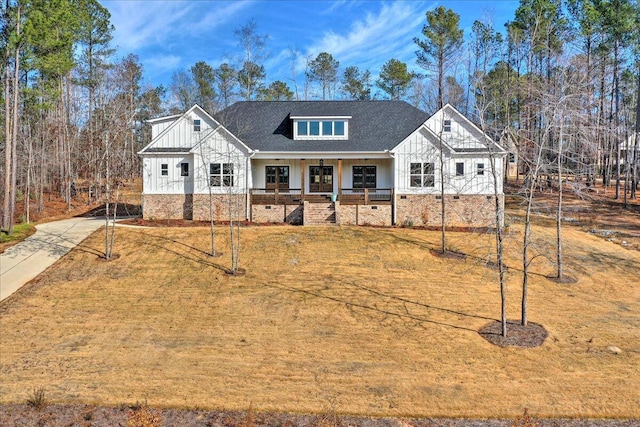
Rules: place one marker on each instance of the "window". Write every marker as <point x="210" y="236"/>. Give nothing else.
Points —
<point x="302" y="128"/>
<point x="164" y="169"/>
<point x="512" y="158"/>
<point x="277" y="177"/>
<point x="480" y="168"/>
<point x="447" y="126"/>
<point x="422" y="175"/>
<point x="327" y="128"/>
<point x="184" y="169"/>
<point x="221" y="174"/>
<point x="364" y="177"/>
<point x="314" y="128"/>
<point x="321" y="128"/>
<point x="196" y="125"/>
<point x="459" y="169"/>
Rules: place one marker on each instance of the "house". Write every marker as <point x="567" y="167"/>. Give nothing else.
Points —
<point x="311" y="162"/>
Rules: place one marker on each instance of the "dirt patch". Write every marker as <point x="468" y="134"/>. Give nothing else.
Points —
<point x="532" y="335"/>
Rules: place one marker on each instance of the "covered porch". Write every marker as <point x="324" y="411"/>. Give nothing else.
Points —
<point x="316" y="180"/>
<point x="295" y="190"/>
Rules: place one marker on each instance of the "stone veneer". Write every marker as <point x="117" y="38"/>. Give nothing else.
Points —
<point x="463" y="211"/>
<point x="192" y="206"/>
<point x="363" y="214"/>
<point x="412" y="209"/>
<point x="291" y="214"/>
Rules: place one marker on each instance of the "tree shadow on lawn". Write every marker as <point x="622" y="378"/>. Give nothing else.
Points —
<point x="196" y="258"/>
<point x="373" y="308"/>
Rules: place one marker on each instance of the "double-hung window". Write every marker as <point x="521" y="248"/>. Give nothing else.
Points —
<point x="447" y="126"/>
<point x="164" y="169"/>
<point x="480" y="168"/>
<point x="196" y="125"/>
<point x="221" y="175"/>
<point x="422" y="175"/>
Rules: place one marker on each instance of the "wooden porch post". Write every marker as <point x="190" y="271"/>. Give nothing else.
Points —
<point x="366" y="196"/>
<point x="302" y="166"/>
<point x="339" y="179"/>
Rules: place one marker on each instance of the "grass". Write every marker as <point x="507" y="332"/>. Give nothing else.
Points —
<point x="345" y="319"/>
<point x="19" y="233"/>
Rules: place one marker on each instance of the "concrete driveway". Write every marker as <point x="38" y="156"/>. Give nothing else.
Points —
<point x="26" y="260"/>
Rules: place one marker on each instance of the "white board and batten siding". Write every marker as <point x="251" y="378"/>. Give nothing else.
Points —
<point x="423" y="147"/>
<point x="183" y="133"/>
<point x="198" y="146"/>
<point x="173" y="182"/>
<point x="221" y="147"/>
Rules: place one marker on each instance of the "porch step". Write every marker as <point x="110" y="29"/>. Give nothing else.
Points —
<point x="320" y="214"/>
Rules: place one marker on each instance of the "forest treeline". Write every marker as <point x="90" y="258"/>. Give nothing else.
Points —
<point x="558" y="85"/>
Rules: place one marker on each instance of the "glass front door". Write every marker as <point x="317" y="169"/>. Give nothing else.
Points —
<point x="320" y="179"/>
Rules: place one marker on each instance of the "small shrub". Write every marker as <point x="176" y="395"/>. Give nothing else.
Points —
<point x="525" y="420"/>
<point x="142" y="416"/>
<point x="37" y="399"/>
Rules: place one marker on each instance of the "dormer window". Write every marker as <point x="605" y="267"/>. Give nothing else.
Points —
<point x="196" y="125"/>
<point x="314" y="128"/>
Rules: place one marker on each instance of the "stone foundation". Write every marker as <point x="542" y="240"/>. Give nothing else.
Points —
<point x="412" y="209"/>
<point x="461" y="211"/>
<point x="363" y="214"/>
<point x="291" y="214"/>
<point x="193" y="206"/>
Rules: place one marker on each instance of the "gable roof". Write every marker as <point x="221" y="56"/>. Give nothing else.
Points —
<point x="486" y="143"/>
<point x="374" y="126"/>
<point x="176" y="119"/>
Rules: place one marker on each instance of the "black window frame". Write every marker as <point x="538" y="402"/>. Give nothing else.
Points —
<point x="184" y="169"/>
<point x="446" y="126"/>
<point x="422" y="174"/>
<point x="221" y="174"/>
<point x="369" y="178"/>
<point x="197" y="125"/>
<point x="459" y="169"/>
<point x="480" y="169"/>
<point x="164" y="169"/>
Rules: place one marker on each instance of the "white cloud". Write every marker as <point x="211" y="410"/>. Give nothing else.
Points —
<point x="376" y="38"/>
<point x="145" y="24"/>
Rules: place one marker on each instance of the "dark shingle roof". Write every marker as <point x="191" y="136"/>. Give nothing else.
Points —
<point x="374" y="125"/>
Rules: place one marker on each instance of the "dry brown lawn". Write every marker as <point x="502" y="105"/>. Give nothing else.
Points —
<point x="356" y="320"/>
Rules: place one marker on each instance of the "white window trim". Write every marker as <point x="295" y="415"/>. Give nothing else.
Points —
<point x="298" y="119"/>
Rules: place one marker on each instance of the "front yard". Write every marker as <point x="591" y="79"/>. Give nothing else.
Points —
<point x="346" y="319"/>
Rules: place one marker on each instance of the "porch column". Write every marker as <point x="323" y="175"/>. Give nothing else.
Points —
<point x="302" y="167"/>
<point x="339" y="178"/>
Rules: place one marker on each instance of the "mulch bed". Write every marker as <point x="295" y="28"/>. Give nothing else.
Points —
<point x="532" y="335"/>
<point x="98" y="416"/>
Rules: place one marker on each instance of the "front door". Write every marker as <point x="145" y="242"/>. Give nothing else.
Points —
<point x="277" y="177"/>
<point x="320" y="179"/>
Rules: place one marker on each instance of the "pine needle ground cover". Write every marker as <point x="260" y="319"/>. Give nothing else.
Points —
<point x="348" y="319"/>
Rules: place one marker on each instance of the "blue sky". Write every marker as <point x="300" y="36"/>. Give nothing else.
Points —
<point x="173" y="35"/>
